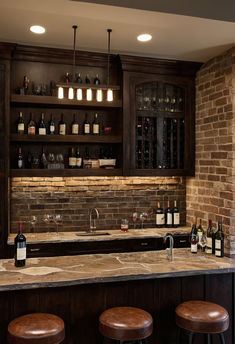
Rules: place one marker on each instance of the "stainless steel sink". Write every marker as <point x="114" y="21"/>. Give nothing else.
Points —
<point x="92" y="234"/>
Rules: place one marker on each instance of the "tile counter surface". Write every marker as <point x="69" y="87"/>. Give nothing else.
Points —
<point x="100" y="268"/>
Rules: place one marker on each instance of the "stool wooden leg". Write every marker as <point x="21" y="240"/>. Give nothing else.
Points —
<point x="208" y="336"/>
<point x="191" y="337"/>
<point x="222" y="338"/>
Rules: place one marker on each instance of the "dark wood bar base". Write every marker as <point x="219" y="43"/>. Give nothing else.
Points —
<point x="80" y="306"/>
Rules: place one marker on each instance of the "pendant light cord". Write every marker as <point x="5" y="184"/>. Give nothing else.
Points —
<point x="74" y="50"/>
<point x="109" y="32"/>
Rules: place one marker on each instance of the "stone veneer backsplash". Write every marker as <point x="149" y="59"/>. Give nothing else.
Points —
<point x="73" y="197"/>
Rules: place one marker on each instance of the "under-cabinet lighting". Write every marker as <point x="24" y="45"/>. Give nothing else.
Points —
<point x="99" y="95"/>
<point x="60" y="93"/>
<point x="71" y="93"/>
<point x="79" y="94"/>
<point x="37" y="29"/>
<point x="89" y="94"/>
<point x="144" y="37"/>
<point x="109" y="95"/>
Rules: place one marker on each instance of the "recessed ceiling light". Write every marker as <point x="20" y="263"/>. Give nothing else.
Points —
<point x="144" y="37"/>
<point x="37" y="29"/>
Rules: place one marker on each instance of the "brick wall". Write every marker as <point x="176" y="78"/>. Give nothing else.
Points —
<point x="210" y="195"/>
<point x="115" y="198"/>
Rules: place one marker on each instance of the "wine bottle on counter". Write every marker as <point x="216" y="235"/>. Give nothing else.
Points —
<point x="78" y="159"/>
<point x="96" y="125"/>
<point x="20" y="124"/>
<point x="75" y="126"/>
<point x="209" y="238"/>
<point x="219" y="241"/>
<point x="72" y="158"/>
<point x="20" y="247"/>
<point x="97" y="80"/>
<point x="175" y="215"/>
<point x="193" y="238"/>
<point x="199" y="233"/>
<point x="86" y="126"/>
<point x="51" y="126"/>
<point x="160" y="218"/>
<point x="62" y="125"/>
<point x="20" y="160"/>
<point x="31" y="125"/>
<point x="168" y="215"/>
<point x="42" y="126"/>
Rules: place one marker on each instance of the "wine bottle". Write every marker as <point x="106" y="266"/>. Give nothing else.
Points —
<point x="26" y="85"/>
<point x="168" y="215"/>
<point x="20" y="160"/>
<point x="20" y="247"/>
<point x="62" y="125"/>
<point x="32" y="125"/>
<point x="209" y="238"/>
<point x="219" y="241"/>
<point x="72" y="158"/>
<point x="67" y="78"/>
<point x="29" y="160"/>
<point x="51" y="126"/>
<point x="199" y="233"/>
<point x="75" y="126"/>
<point x="193" y="236"/>
<point x="20" y="124"/>
<point x="160" y="218"/>
<point x="175" y="215"/>
<point x="96" y="125"/>
<point x="78" y="159"/>
<point x="43" y="159"/>
<point x="86" y="126"/>
<point x="139" y="126"/>
<point x="87" y="80"/>
<point x="79" y="79"/>
<point x="97" y="80"/>
<point x="42" y="126"/>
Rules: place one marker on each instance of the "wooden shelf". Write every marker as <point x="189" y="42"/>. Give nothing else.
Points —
<point x="154" y="113"/>
<point x="49" y="100"/>
<point x="65" y="172"/>
<point x="66" y="138"/>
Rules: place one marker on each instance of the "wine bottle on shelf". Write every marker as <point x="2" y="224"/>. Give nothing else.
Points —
<point x="146" y="126"/>
<point x="72" y="158"/>
<point x="75" y="126"/>
<point x="31" y="125"/>
<point x="139" y="126"/>
<point x="51" y="126"/>
<point x="200" y="234"/>
<point x="62" y="126"/>
<point x="86" y="126"/>
<point x="20" y="124"/>
<point x="20" y="160"/>
<point x="42" y="126"/>
<point x="29" y="160"/>
<point x="78" y="159"/>
<point x="43" y="159"/>
<point x="79" y="79"/>
<point x="96" y="125"/>
<point x="219" y="241"/>
<point x="160" y="218"/>
<point x="168" y="215"/>
<point x="26" y="85"/>
<point x="193" y="238"/>
<point x="146" y="154"/>
<point x="67" y="78"/>
<point x="97" y="80"/>
<point x="175" y="215"/>
<point x="209" y="238"/>
<point x="20" y="247"/>
<point x="87" y="80"/>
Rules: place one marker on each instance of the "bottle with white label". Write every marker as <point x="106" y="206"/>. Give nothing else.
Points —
<point x="219" y="241"/>
<point x="42" y="126"/>
<point x="199" y="233"/>
<point x="168" y="215"/>
<point x="62" y="126"/>
<point x="193" y="237"/>
<point x="72" y="159"/>
<point x="20" y="247"/>
<point x="78" y="159"/>
<point x="20" y="124"/>
<point x="209" y="238"/>
<point x="31" y="126"/>
<point x="20" y="160"/>
<point x="51" y="126"/>
<point x="175" y="215"/>
<point x="75" y="126"/>
<point x="86" y="126"/>
<point x="160" y="217"/>
<point x="96" y="125"/>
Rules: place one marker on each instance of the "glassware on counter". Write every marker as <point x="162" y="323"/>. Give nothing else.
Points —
<point x="134" y="218"/>
<point x="124" y="225"/>
<point x="143" y="217"/>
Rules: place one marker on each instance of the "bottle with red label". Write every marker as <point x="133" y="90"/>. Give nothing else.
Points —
<point x="20" y="247"/>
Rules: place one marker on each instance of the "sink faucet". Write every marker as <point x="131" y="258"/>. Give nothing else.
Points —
<point x="169" y="250"/>
<point x="93" y="219"/>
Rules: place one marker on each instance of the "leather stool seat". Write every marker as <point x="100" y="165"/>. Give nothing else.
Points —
<point x="125" y="323"/>
<point x="202" y="317"/>
<point x="36" y="328"/>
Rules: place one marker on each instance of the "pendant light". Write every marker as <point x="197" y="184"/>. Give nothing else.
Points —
<point x="109" y="89"/>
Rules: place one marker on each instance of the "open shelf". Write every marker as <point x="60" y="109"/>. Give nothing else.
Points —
<point x="65" y="172"/>
<point x="49" y="100"/>
<point x="66" y="138"/>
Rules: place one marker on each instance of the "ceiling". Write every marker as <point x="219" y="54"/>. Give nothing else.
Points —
<point x="181" y="34"/>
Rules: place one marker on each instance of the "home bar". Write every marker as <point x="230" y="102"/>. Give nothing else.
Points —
<point x="117" y="211"/>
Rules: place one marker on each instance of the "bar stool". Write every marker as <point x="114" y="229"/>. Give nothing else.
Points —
<point x="36" y="328"/>
<point x="202" y="317"/>
<point x="125" y="323"/>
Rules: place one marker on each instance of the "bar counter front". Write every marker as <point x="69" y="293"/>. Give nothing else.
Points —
<point x="80" y="288"/>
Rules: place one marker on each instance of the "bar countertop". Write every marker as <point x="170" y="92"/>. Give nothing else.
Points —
<point x="101" y="268"/>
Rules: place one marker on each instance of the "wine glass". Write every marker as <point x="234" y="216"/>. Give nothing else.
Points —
<point x="51" y="157"/>
<point x="134" y="218"/>
<point x="32" y="221"/>
<point x="143" y="217"/>
<point x="58" y="219"/>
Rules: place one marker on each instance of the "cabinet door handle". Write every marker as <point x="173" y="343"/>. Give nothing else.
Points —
<point x="34" y="249"/>
<point x="144" y="244"/>
<point x="183" y="240"/>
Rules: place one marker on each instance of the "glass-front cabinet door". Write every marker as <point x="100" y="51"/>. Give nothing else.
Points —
<point x="161" y="133"/>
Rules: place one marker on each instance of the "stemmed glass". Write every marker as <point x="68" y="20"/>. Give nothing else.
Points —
<point x="134" y="218"/>
<point x="32" y="221"/>
<point x="58" y="218"/>
<point x="143" y="217"/>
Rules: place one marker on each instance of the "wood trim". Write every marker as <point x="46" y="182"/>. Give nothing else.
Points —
<point x="65" y="172"/>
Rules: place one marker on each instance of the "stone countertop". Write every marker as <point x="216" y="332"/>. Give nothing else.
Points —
<point x="101" y="268"/>
<point x="52" y="237"/>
